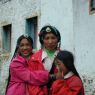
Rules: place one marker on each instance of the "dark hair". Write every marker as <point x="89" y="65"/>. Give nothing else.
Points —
<point x="19" y="40"/>
<point x="68" y="60"/>
<point x="47" y="29"/>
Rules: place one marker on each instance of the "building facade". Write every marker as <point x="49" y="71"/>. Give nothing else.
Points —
<point x="75" y="19"/>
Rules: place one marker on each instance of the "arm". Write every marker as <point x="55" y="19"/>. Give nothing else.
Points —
<point x="21" y="71"/>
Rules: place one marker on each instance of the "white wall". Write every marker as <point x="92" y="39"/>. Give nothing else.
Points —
<point x="84" y="39"/>
<point x="56" y="12"/>
<point x="84" y="26"/>
<point x="15" y="12"/>
<point x="60" y="14"/>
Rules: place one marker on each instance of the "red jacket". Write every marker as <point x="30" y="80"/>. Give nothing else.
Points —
<point x="35" y="60"/>
<point x="35" y="64"/>
<point x="70" y="86"/>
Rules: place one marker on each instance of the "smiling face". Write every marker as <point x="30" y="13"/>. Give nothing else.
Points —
<point x="50" y="41"/>
<point x="25" y="48"/>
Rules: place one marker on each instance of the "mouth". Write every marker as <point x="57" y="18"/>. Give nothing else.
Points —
<point x="25" y="52"/>
<point x="52" y="46"/>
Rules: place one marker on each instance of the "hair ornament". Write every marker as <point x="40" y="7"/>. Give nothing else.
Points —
<point x="48" y="29"/>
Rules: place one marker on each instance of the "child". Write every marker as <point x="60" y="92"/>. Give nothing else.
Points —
<point x="68" y="81"/>
<point x="20" y="76"/>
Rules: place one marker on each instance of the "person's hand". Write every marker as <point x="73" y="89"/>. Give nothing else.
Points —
<point x="59" y="74"/>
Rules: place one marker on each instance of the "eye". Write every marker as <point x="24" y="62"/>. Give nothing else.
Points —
<point x="21" y="45"/>
<point x="53" y="37"/>
<point x="58" y="64"/>
<point x="46" y="38"/>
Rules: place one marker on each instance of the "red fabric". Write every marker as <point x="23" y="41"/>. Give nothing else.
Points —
<point x="35" y="64"/>
<point x="70" y="86"/>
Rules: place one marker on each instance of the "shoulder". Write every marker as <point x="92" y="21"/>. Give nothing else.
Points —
<point x="37" y="55"/>
<point x="38" y="52"/>
<point x="17" y="61"/>
<point x="75" y="81"/>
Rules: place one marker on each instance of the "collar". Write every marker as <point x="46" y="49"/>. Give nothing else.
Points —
<point x="68" y="75"/>
<point x="44" y="54"/>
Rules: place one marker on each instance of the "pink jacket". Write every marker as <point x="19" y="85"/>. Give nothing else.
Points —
<point x="21" y="76"/>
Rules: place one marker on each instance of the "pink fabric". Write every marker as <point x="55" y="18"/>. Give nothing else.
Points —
<point x="21" y="76"/>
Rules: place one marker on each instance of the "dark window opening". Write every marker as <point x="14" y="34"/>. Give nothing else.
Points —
<point x="92" y="6"/>
<point x="31" y="29"/>
<point x="7" y="38"/>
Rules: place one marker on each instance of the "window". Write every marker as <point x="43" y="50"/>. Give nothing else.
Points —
<point x="31" y="29"/>
<point x="92" y="6"/>
<point x="7" y="38"/>
<point x="4" y="1"/>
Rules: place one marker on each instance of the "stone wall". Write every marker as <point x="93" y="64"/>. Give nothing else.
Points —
<point x="4" y="71"/>
<point x="89" y="84"/>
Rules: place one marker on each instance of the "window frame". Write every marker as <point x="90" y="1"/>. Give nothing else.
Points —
<point x="7" y="32"/>
<point x="91" y="8"/>
<point x="32" y="23"/>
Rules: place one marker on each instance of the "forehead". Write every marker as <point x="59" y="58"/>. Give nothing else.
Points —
<point x="56" y="59"/>
<point x="49" y="34"/>
<point x="24" y="40"/>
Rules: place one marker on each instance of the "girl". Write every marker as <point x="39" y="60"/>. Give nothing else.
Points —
<point x="50" y="39"/>
<point x="20" y="75"/>
<point x="68" y="81"/>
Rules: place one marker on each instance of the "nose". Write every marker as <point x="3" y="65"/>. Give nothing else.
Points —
<point x="50" y="41"/>
<point x="24" y="47"/>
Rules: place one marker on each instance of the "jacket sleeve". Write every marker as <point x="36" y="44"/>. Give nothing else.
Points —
<point x="60" y="87"/>
<point x="21" y="72"/>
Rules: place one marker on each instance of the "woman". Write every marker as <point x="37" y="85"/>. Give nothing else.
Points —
<point x="50" y="39"/>
<point x="20" y="75"/>
<point x="68" y="81"/>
